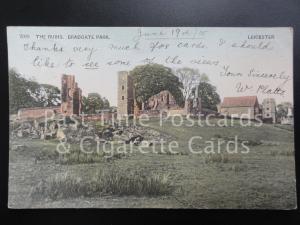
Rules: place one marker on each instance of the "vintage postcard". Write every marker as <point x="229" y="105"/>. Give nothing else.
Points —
<point x="151" y="117"/>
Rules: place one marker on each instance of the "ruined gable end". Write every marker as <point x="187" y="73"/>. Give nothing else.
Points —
<point x="71" y="96"/>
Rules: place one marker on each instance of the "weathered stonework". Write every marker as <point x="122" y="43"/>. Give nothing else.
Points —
<point x="269" y="110"/>
<point x="125" y="95"/>
<point x="77" y="102"/>
<point x="71" y="101"/>
<point x="37" y="112"/>
<point x="71" y="96"/>
<point x="161" y="101"/>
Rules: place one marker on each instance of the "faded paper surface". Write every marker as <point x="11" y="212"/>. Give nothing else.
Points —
<point x="163" y="117"/>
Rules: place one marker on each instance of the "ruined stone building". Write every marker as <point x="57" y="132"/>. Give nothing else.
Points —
<point x="71" y="101"/>
<point x="269" y="110"/>
<point x="162" y="101"/>
<point x="240" y="107"/>
<point x="125" y="94"/>
<point x="71" y="96"/>
<point x="127" y="103"/>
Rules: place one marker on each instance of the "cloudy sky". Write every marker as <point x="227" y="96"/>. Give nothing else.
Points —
<point x="33" y="50"/>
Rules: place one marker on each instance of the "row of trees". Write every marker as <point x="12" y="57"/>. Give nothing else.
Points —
<point x="282" y="109"/>
<point x="93" y="103"/>
<point x="151" y="79"/>
<point x="24" y="93"/>
<point x="29" y="93"/>
<point x="148" y="80"/>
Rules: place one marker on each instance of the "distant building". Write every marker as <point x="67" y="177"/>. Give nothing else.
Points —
<point x="269" y="110"/>
<point x="244" y="106"/>
<point x="125" y="95"/>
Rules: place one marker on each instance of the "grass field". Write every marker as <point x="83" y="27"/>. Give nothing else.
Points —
<point x="262" y="178"/>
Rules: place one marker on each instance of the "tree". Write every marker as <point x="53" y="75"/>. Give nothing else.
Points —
<point x="151" y="79"/>
<point x="93" y="103"/>
<point x="209" y="96"/>
<point x="24" y="93"/>
<point x="45" y="94"/>
<point x="19" y="97"/>
<point x="282" y="109"/>
<point x="189" y="78"/>
<point x="106" y="104"/>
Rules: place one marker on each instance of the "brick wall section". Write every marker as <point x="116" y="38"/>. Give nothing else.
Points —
<point x="37" y="112"/>
<point x="100" y="117"/>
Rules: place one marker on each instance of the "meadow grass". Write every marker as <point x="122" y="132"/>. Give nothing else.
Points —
<point x="263" y="178"/>
<point x="112" y="181"/>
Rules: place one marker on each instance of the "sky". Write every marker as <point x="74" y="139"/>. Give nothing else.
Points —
<point x="29" y="47"/>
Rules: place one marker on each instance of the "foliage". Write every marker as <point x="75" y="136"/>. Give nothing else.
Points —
<point x="151" y="79"/>
<point x="282" y="109"/>
<point x="94" y="102"/>
<point x="25" y="93"/>
<point x="189" y="78"/>
<point x="46" y="95"/>
<point x="209" y="96"/>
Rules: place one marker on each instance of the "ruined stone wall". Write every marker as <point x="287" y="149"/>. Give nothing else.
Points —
<point x="161" y="101"/>
<point x="174" y="112"/>
<point x="77" y="100"/>
<point x="100" y="117"/>
<point x="71" y="96"/>
<point x="37" y="112"/>
<point x="71" y="101"/>
<point x="152" y="113"/>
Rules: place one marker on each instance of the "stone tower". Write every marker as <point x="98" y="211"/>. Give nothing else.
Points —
<point x="77" y="100"/>
<point x="269" y="110"/>
<point x="125" y="95"/>
<point x="70" y="96"/>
